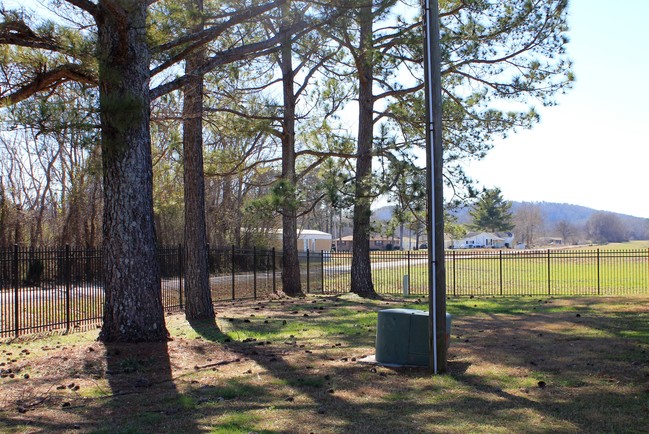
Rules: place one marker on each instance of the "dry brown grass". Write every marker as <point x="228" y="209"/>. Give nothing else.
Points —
<point x="291" y="366"/>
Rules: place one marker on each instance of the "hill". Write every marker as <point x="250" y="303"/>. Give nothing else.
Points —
<point x="553" y="213"/>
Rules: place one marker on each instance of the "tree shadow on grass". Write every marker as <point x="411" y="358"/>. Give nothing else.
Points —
<point x="487" y="400"/>
<point x="551" y="409"/>
<point x="300" y="380"/>
<point x="312" y="389"/>
<point x="141" y="394"/>
<point x="144" y="394"/>
<point x="567" y="365"/>
<point x="209" y="329"/>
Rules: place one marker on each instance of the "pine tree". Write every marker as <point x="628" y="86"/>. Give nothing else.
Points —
<point x="492" y="213"/>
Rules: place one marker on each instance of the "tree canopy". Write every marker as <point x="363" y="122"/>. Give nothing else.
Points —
<point x="159" y="84"/>
<point x="606" y="227"/>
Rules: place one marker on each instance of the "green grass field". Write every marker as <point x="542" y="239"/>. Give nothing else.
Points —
<point x="629" y="245"/>
<point x="594" y="270"/>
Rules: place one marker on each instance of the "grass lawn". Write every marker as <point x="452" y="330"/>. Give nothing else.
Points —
<point x="629" y="245"/>
<point x="612" y="269"/>
<point x="292" y="366"/>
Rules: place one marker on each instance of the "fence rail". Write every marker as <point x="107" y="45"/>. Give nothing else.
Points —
<point x="43" y="290"/>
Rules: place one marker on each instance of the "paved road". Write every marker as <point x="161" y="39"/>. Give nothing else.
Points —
<point x="377" y="265"/>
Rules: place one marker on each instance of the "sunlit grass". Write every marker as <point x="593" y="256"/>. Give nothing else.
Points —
<point x="629" y="245"/>
<point x="620" y="268"/>
<point x="238" y="423"/>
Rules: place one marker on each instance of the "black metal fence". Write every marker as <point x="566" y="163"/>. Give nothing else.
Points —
<point x="503" y="272"/>
<point x="43" y="290"/>
<point x="48" y="289"/>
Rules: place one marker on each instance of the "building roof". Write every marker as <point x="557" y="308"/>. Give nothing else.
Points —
<point x="313" y="234"/>
<point x="309" y="234"/>
<point x="372" y="238"/>
<point x="496" y="235"/>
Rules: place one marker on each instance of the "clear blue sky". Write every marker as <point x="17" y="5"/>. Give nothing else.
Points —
<point x="593" y="148"/>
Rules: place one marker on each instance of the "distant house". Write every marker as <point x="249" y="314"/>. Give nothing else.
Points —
<point x="345" y="244"/>
<point x="474" y="240"/>
<point x="385" y="243"/>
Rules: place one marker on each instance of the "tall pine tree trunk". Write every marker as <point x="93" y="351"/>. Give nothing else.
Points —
<point x="290" y="259"/>
<point x="198" y="296"/>
<point x="361" y="272"/>
<point x="133" y="307"/>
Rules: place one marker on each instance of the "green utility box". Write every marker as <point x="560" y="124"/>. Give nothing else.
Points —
<point x="402" y="337"/>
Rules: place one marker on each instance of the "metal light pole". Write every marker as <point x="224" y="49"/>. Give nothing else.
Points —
<point x="434" y="187"/>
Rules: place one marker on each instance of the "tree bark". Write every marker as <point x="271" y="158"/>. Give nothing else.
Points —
<point x="133" y="307"/>
<point x="198" y="296"/>
<point x="290" y="260"/>
<point x="361" y="272"/>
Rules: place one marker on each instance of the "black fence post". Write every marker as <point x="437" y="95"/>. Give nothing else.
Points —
<point x="68" y="285"/>
<point x="501" y="271"/>
<point x="254" y="273"/>
<point x="598" y="274"/>
<point x="408" y="256"/>
<point x="16" y="270"/>
<point x="549" y="280"/>
<point x="322" y="259"/>
<point x="274" y="284"/>
<point x="233" y="278"/>
<point x="180" y="275"/>
<point x="308" y="267"/>
<point x="454" y="275"/>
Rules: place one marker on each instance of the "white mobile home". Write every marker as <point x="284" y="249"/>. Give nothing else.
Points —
<point x="475" y="240"/>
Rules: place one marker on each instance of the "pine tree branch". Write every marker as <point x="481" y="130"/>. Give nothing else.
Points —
<point x="87" y="6"/>
<point x="49" y="80"/>
<point x="315" y="202"/>
<point x="241" y="114"/>
<point x="199" y="39"/>
<point x="209" y="34"/>
<point x="14" y="31"/>
<point x="311" y="73"/>
<point x="249" y="51"/>
<point x="399" y="92"/>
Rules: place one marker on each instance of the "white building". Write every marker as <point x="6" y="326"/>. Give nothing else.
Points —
<point x="474" y="240"/>
<point x="309" y="239"/>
